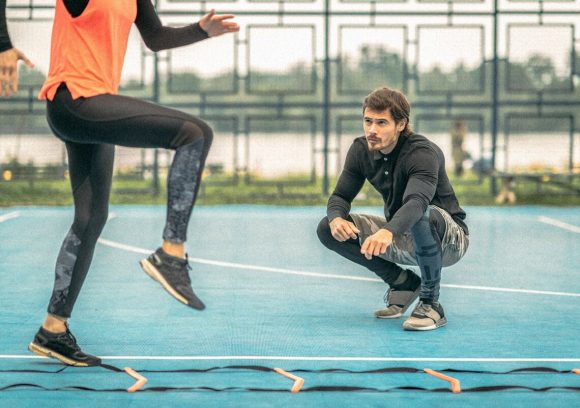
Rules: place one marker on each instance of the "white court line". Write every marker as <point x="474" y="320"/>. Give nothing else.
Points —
<point x="320" y="358"/>
<point x="9" y="216"/>
<point x="529" y="291"/>
<point x="559" y="224"/>
<point x="111" y="216"/>
<point x="130" y="248"/>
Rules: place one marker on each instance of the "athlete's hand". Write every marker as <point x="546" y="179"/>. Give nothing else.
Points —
<point x="215" y="25"/>
<point x="9" y="70"/>
<point x="377" y="243"/>
<point x="342" y="229"/>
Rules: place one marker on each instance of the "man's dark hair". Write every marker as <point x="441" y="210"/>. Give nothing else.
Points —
<point x="383" y="99"/>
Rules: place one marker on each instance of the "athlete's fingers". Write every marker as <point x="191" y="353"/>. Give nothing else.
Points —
<point x="354" y="231"/>
<point x="3" y="78"/>
<point x="210" y="14"/>
<point x="225" y="30"/>
<point x="383" y="248"/>
<point x="365" y="249"/>
<point x="377" y="249"/>
<point x="205" y="19"/>
<point x="228" y="24"/>
<point x="372" y="248"/>
<point x="340" y="234"/>
<point x="14" y="81"/>
<point x="7" y="82"/>
<point x="338" y="237"/>
<point x="335" y="234"/>
<point x="25" y="59"/>
<point x="350" y="231"/>
<point x="232" y="26"/>
<point x="223" y="17"/>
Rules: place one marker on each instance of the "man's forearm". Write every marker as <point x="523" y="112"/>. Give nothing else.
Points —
<point x="5" y="43"/>
<point x="347" y="188"/>
<point x="406" y="216"/>
<point x="337" y="207"/>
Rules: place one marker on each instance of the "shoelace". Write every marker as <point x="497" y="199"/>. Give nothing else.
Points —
<point x="386" y="296"/>
<point x="187" y="269"/>
<point x="69" y="340"/>
<point x="176" y="266"/>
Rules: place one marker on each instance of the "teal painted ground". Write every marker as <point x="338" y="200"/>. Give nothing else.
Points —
<point x="251" y="312"/>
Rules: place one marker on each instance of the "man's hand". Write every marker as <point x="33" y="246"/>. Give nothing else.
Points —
<point x="9" y="70"/>
<point x="377" y="243"/>
<point x="342" y="229"/>
<point x="215" y="25"/>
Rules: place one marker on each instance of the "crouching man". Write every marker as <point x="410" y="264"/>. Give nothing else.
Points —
<point x="423" y="223"/>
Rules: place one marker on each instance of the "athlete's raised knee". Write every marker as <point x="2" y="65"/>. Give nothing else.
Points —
<point x="193" y="133"/>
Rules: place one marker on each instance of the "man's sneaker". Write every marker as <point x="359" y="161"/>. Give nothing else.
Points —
<point x="62" y="346"/>
<point x="398" y="301"/>
<point x="172" y="273"/>
<point x="426" y="317"/>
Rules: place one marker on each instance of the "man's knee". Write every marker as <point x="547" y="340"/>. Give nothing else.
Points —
<point x="323" y="232"/>
<point x="422" y="223"/>
<point x="433" y="220"/>
<point x="437" y="223"/>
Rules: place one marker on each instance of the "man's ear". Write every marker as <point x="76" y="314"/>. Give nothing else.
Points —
<point x="401" y="125"/>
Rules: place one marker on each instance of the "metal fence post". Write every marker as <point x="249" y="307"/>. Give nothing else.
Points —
<point x="327" y="96"/>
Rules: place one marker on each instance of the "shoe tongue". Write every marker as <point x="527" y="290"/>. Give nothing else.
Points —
<point x="52" y="334"/>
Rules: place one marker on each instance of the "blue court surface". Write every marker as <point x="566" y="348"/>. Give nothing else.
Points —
<point x="276" y="298"/>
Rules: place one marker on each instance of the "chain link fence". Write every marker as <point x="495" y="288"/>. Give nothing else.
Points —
<point x="284" y="94"/>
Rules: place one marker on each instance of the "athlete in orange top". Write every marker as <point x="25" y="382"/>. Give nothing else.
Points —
<point x="89" y="42"/>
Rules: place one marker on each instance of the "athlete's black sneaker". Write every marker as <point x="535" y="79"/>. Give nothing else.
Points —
<point x="172" y="273"/>
<point x="62" y="346"/>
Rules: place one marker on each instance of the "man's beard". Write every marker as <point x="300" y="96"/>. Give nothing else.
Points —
<point x="375" y="145"/>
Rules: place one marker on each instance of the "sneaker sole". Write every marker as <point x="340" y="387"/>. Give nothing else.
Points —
<point x="152" y="271"/>
<point x="442" y="322"/>
<point x="395" y="316"/>
<point x="41" y="351"/>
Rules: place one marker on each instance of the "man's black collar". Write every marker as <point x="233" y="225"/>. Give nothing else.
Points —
<point x="377" y="154"/>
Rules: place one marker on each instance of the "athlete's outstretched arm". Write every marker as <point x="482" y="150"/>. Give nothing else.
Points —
<point x="158" y="37"/>
<point x="9" y="57"/>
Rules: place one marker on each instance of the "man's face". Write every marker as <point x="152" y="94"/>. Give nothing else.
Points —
<point x="381" y="130"/>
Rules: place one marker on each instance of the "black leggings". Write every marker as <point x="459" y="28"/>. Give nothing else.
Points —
<point x="350" y="249"/>
<point x="388" y="271"/>
<point x="90" y="127"/>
